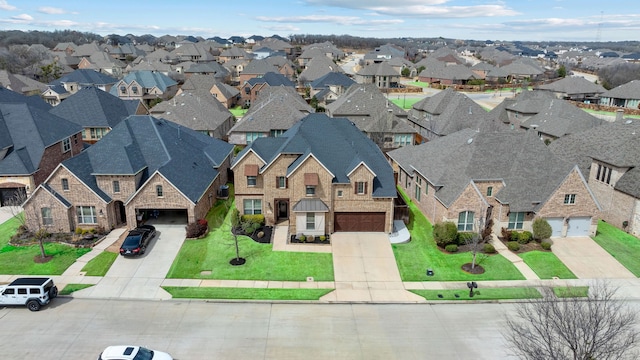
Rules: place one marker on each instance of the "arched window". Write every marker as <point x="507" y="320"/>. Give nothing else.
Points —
<point x="465" y="221"/>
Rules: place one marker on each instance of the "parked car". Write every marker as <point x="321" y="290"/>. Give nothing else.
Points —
<point x="131" y="352"/>
<point x="33" y="292"/>
<point x="137" y="240"/>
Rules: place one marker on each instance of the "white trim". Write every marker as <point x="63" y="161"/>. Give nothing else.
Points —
<point x="290" y="173"/>
<point x="44" y="189"/>
<point x="357" y="166"/>
<point x="133" y="196"/>
<point x="245" y="154"/>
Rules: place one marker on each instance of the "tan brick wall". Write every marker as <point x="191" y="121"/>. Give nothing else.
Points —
<point x="127" y="186"/>
<point x="616" y="206"/>
<point x="61" y="215"/>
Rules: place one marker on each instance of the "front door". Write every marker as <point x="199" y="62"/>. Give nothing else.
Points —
<point x="282" y="209"/>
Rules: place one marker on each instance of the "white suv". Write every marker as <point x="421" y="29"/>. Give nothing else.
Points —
<point x="32" y="292"/>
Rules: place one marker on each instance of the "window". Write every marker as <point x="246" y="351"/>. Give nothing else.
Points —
<point x="311" y="190"/>
<point x="418" y="188"/>
<point x="135" y="90"/>
<point x="75" y="138"/>
<point x="98" y="133"/>
<point x="252" y="180"/>
<point x="252" y="136"/>
<point x="339" y="193"/>
<point x="66" y="145"/>
<point x="604" y="174"/>
<point x="87" y="215"/>
<point x="22" y="291"/>
<point x="490" y="191"/>
<point x="311" y="221"/>
<point x="281" y="182"/>
<point x="9" y="291"/>
<point x="34" y="291"/>
<point x="276" y="133"/>
<point x="570" y="199"/>
<point x="252" y="206"/>
<point x="116" y="186"/>
<point x="361" y="187"/>
<point x="65" y="184"/>
<point x="159" y="191"/>
<point x="402" y="139"/>
<point x="47" y="218"/>
<point x="465" y="221"/>
<point x="123" y="89"/>
<point x="516" y="219"/>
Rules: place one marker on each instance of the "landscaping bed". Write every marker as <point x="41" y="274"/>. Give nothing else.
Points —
<point x="322" y="239"/>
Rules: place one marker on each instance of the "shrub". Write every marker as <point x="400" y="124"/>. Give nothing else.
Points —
<point x="451" y="248"/>
<point x="513" y="246"/>
<point x="445" y="233"/>
<point x="257" y="218"/>
<point x="515" y="236"/>
<point x="545" y="245"/>
<point x="323" y="238"/>
<point x="302" y="238"/>
<point x="464" y="237"/>
<point x="506" y="234"/>
<point x="203" y="222"/>
<point x="488" y="249"/>
<point x="541" y="229"/>
<point x="488" y="229"/>
<point x="78" y="231"/>
<point x="195" y="230"/>
<point x="525" y="237"/>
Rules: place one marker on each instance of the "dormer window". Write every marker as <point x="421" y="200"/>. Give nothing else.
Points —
<point x="361" y="187"/>
<point x="123" y="89"/>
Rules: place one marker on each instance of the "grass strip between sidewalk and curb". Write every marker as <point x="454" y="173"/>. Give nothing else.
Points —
<point x="508" y="293"/>
<point x="547" y="265"/>
<point x="223" y="293"/>
<point x="70" y="288"/>
<point x="571" y="291"/>
<point x="622" y="246"/>
<point x="99" y="265"/>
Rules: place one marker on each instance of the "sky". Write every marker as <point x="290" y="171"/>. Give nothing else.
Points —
<point x="526" y="20"/>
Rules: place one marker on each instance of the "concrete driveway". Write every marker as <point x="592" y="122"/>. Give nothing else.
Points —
<point x="587" y="260"/>
<point x="365" y="270"/>
<point x="141" y="277"/>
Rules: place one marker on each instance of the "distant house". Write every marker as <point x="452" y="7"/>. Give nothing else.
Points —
<point x="145" y="86"/>
<point x="316" y="68"/>
<point x="574" y="88"/>
<point x="323" y="176"/>
<point x="143" y="164"/>
<point x="438" y="72"/>
<point x="97" y="112"/>
<point x="381" y="74"/>
<point x="328" y="88"/>
<point x="32" y="143"/>
<point x="69" y="84"/>
<point x="252" y="87"/>
<point x="20" y="83"/>
<point x="626" y="95"/>
<point x="497" y="180"/>
<point x="227" y="95"/>
<point x="198" y="110"/>
<point x="609" y="155"/>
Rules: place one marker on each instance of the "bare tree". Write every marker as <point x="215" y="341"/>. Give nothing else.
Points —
<point x="39" y="234"/>
<point x="597" y="327"/>
<point x="475" y="244"/>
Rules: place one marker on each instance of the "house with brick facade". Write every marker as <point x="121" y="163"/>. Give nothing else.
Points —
<point x="610" y="156"/>
<point x="500" y="179"/>
<point x="32" y="143"/>
<point x="322" y="176"/>
<point x="143" y="164"/>
<point x="145" y="86"/>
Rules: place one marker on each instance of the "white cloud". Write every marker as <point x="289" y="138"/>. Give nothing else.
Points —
<point x="5" y="6"/>
<point x="22" y="18"/>
<point x="51" y="10"/>
<point x="333" y="19"/>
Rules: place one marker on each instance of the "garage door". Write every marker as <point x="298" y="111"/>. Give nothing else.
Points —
<point x="373" y="222"/>
<point x="556" y="226"/>
<point x="165" y="216"/>
<point x="579" y="226"/>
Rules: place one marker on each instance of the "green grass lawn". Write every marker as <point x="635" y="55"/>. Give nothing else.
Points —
<point x="99" y="265"/>
<point x="70" y="288"/>
<point x="238" y="111"/>
<point x="418" y="83"/>
<point x="405" y="103"/>
<point x="622" y="246"/>
<point x="481" y="294"/>
<point x="573" y="291"/>
<point x="18" y="260"/>
<point x="546" y="265"/>
<point x="421" y="252"/>
<point x="246" y="293"/>
<point x="609" y="113"/>
<point x="213" y="253"/>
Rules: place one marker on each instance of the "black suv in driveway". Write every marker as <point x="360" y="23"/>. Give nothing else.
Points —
<point x="137" y="240"/>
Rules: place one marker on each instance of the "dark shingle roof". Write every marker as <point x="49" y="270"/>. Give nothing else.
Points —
<point x="197" y="110"/>
<point x="91" y="107"/>
<point x="8" y="96"/>
<point x="332" y="78"/>
<point x="559" y="118"/>
<point x="630" y="90"/>
<point x="273" y="79"/>
<point x="573" y="85"/>
<point x="337" y="144"/>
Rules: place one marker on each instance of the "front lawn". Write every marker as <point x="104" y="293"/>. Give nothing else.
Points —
<point x="99" y="265"/>
<point x="245" y="293"/>
<point x="546" y="265"/>
<point x="421" y="253"/>
<point x="405" y="103"/>
<point x="208" y="258"/>
<point x="71" y="288"/>
<point x="238" y="111"/>
<point x="571" y="292"/>
<point x="622" y="246"/>
<point x="481" y="294"/>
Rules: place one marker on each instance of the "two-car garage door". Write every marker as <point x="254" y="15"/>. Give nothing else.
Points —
<point x="359" y="221"/>
<point x="576" y="226"/>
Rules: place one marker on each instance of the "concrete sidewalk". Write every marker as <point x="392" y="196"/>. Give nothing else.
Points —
<point x="516" y="260"/>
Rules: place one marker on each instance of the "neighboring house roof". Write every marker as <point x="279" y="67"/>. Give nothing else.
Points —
<point x="559" y="118"/>
<point x="319" y="66"/>
<point x="26" y="132"/>
<point x="523" y="68"/>
<point x="9" y="96"/>
<point x="274" y="113"/>
<point x="197" y="110"/>
<point x="213" y="68"/>
<point x="92" y="107"/>
<point x="86" y="77"/>
<point x="186" y="158"/>
<point x="259" y="67"/>
<point x="273" y="79"/>
<point x="148" y="80"/>
<point x="338" y="145"/>
<point x="438" y="70"/>
<point x="530" y="172"/>
<point x="20" y="83"/>
<point x="617" y="144"/>
<point x="287" y="93"/>
<point x="630" y="90"/>
<point x="572" y="85"/>
<point x="378" y="69"/>
<point x="331" y="79"/>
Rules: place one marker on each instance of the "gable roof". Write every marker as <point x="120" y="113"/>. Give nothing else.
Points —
<point x="147" y="79"/>
<point x="630" y="90"/>
<point x="85" y="77"/>
<point x="186" y="158"/>
<point x="378" y="69"/>
<point x="26" y="132"/>
<point x="197" y="110"/>
<point x="92" y="107"/>
<point x="530" y="172"/>
<point x="318" y="67"/>
<point x="9" y="96"/>
<point x="572" y="85"/>
<point x="20" y="83"/>
<point x="273" y="79"/>
<point x="558" y="118"/>
<point x="340" y="148"/>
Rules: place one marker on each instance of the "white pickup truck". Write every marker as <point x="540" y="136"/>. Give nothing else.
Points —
<point x="33" y="292"/>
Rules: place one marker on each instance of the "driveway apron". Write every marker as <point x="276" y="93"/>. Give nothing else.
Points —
<point x="365" y="270"/>
<point x="587" y="260"/>
<point x="140" y="277"/>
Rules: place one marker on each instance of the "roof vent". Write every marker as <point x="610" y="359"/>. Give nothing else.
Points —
<point x="628" y="122"/>
<point x="470" y="141"/>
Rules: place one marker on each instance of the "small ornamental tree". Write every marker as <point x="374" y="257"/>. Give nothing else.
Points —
<point x="541" y="229"/>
